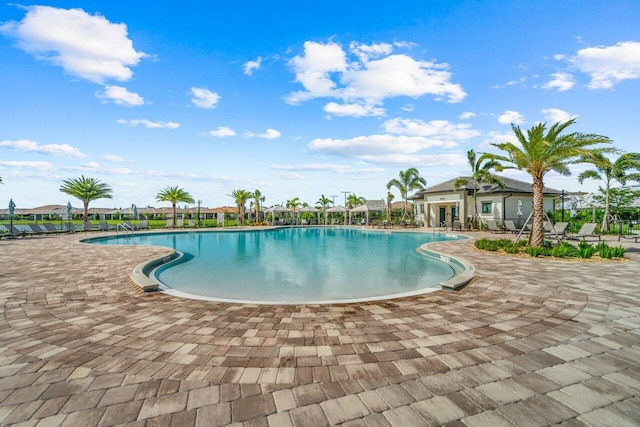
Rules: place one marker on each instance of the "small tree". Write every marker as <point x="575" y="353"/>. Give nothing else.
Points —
<point x="86" y="190"/>
<point x="258" y="199"/>
<point x="174" y="195"/>
<point x="480" y="173"/>
<point x="241" y="197"/>
<point x="609" y="171"/>
<point x="408" y="180"/>
<point x="354" y="200"/>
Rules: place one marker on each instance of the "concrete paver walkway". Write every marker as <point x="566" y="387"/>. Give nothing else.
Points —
<point x="527" y="342"/>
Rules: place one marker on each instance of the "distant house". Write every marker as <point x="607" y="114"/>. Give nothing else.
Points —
<point x="443" y="204"/>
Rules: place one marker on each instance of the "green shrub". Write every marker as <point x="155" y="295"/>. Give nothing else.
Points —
<point x="534" y="251"/>
<point x="562" y="251"/>
<point x="511" y="248"/>
<point x="611" y="252"/>
<point x="487" y="244"/>
<point x="586" y="250"/>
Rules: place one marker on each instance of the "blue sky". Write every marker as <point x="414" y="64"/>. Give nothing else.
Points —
<point x="295" y="99"/>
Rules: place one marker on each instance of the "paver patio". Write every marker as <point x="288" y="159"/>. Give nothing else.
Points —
<point x="527" y="342"/>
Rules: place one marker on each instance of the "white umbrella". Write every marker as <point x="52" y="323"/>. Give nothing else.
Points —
<point x="573" y="205"/>
<point x="519" y="208"/>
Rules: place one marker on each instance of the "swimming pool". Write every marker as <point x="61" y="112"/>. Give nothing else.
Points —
<point x="296" y="265"/>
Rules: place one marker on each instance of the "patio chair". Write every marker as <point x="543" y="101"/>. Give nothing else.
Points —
<point x="558" y="229"/>
<point x="36" y="229"/>
<point x="631" y="233"/>
<point x="510" y="226"/>
<point x="144" y="224"/>
<point x="169" y="223"/>
<point x="492" y="226"/>
<point x="50" y="227"/>
<point x="180" y="223"/>
<point x="105" y="226"/>
<point x="191" y="223"/>
<point x="13" y="231"/>
<point x="587" y="230"/>
<point x="88" y="226"/>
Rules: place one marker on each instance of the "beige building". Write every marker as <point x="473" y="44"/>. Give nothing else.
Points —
<point x="443" y="204"/>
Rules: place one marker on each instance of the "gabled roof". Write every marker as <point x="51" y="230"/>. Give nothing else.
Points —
<point x="511" y="186"/>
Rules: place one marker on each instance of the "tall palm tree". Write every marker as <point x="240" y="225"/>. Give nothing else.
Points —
<point x="241" y="197"/>
<point x="408" y="180"/>
<point x="86" y="190"/>
<point x="294" y="204"/>
<point x="541" y="151"/>
<point x="609" y="171"/>
<point x="480" y="173"/>
<point x="174" y="195"/>
<point x="258" y="198"/>
<point x="354" y="200"/>
<point x="322" y="204"/>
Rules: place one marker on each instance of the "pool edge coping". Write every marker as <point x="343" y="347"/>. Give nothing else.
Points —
<point x="142" y="280"/>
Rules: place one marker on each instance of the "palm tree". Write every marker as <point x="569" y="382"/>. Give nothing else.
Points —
<point x="294" y="204"/>
<point x="480" y="173"/>
<point x="258" y="199"/>
<point x="353" y="200"/>
<point x="241" y="197"/>
<point x="322" y="204"/>
<point x="390" y="198"/>
<point x="409" y="180"/>
<point x="612" y="171"/>
<point x="86" y="190"/>
<point x="541" y="151"/>
<point x="174" y="195"/>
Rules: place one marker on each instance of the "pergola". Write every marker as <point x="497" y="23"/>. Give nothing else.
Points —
<point x="337" y="209"/>
<point x="310" y="209"/>
<point x="278" y="209"/>
<point x="360" y="209"/>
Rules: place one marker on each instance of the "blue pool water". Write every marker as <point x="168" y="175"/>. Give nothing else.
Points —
<point x="314" y="264"/>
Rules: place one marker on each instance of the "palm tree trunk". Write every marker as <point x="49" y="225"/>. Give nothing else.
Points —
<point x="173" y="205"/>
<point x="537" y="231"/>
<point x="85" y="212"/>
<point x="605" y="220"/>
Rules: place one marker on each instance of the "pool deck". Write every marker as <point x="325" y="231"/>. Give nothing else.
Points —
<point x="527" y="342"/>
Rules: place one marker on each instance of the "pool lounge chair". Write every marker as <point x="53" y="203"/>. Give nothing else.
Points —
<point x="36" y="229"/>
<point x="587" y="230"/>
<point x="191" y="224"/>
<point x="13" y="231"/>
<point x="180" y="223"/>
<point x="88" y="226"/>
<point x="144" y="224"/>
<point x="50" y="227"/>
<point x="510" y="226"/>
<point x="492" y="226"/>
<point x="558" y="229"/>
<point x="105" y="226"/>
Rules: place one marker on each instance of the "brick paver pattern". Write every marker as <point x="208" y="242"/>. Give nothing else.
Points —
<point x="527" y="342"/>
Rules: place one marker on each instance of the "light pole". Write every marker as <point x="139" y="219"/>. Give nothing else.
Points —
<point x="199" y="203"/>
<point x="345" y="197"/>
<point x="334" y="200"/>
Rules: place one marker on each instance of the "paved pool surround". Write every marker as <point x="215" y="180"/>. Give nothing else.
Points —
<point x="526" y="341"/>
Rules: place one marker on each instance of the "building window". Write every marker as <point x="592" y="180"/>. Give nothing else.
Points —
<point x="421" y="208"/>
<point x="486" y="207"/>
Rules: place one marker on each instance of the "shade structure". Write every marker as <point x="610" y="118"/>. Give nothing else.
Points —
<point x="310" y="209"/>
<point x="338" y="209"/>
<point x="278" y="209"/>
<point x="360" y="209"/>
<point x="69" y="208"/>
<point x="12" y="208"/>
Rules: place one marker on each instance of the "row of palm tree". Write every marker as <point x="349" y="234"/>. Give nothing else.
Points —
<point x="537" y="152"/>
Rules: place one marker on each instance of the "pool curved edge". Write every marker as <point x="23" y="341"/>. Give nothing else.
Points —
<point x="143" y="277"/>
<point x="464" y="269"/>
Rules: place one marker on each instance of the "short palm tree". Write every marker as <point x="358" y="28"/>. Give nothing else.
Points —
<point x="241" y="197"/>
<point x="86" y="190"/>
<point x="408" y="180"/>
<point x="174" y="195"/>
<point x="390" y="198"/>
<point x="258" y="198"/>
<point x="541" y="151"/>
<point x="294" y="204"/>
<point x="354" y="200"/>
<point x="480" y="173"/>
<point x="609" y="171"/>
<point x="322" y="204"/>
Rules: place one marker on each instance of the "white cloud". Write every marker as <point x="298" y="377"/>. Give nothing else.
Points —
<point x="250" y="66"/>
<point x="326" y="167"/>
<point x="496" y="138"/>
<point x="291" y="176"/>
<point x="204" y="98"/>
<point x="609" y="65"/>
<point x="370" y="146"/>
<point x="51" y="149"/>
<point x="467" y="115"/>
<point x="442" y="130"/>
<point x="41" y="166"/>
<point x="121" y="96"/>
<point x="560" y="81"/>
<point x="84" y="45"/>
<point x="353" y="110"/>
<point x="509" y="117"/>
<point x="149" y="124"/>
<point x="221" y="132"/>
<point x="268" y="134"/>
<point x="557" y="115"/>
<point x="113" y="158"/>
<point x="369" y="76"/>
